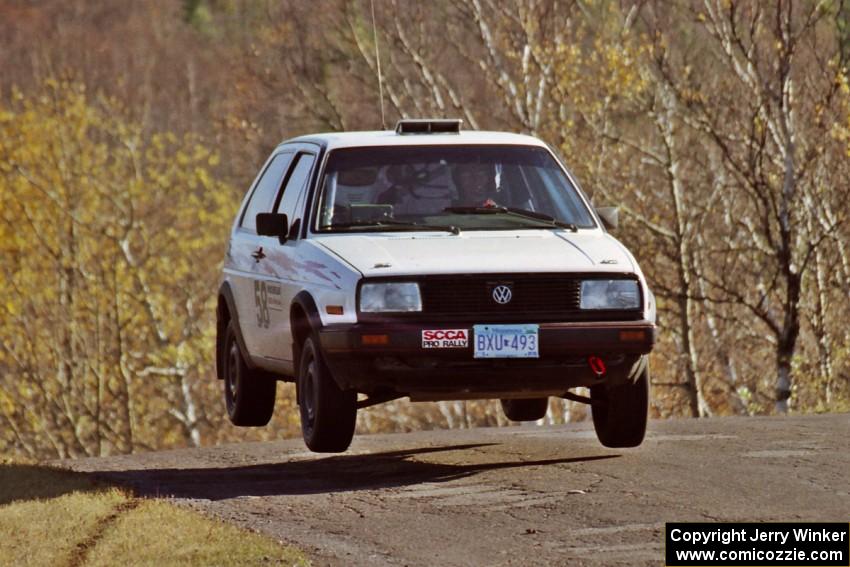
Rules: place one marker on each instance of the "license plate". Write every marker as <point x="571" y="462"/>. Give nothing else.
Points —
<point x="506" y="341"/>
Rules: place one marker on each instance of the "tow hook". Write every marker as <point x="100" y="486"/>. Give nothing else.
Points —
<point x="597" y="366"/>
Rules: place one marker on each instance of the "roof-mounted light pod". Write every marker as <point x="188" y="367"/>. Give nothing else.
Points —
<point x="429" y="126"/>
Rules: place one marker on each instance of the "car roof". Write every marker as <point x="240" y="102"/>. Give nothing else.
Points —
<point x="335" y="140"/>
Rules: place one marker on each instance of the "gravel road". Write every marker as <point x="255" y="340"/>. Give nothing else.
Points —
<point x="513" y="496"/>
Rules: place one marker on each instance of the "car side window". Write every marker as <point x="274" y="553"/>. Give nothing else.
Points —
<point x="264" y="192"/>
<point x="294" y="185"/>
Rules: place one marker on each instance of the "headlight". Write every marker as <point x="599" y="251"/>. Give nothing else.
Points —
<point x="609" y="294"/>
<point x="399" y="297"/>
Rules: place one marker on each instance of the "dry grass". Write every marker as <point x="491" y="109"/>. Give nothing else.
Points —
<point x="53" y="517"/>
<point x="155" y="532"/>
<point x="46" y="532"/>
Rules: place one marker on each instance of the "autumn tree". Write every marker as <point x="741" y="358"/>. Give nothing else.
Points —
<point x="111" y="243"/>
<point x="762" y="94"/>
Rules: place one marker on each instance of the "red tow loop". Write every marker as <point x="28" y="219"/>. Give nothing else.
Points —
<point x="596" y="365"/>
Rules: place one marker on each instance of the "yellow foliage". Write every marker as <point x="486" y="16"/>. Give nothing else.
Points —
<point x="841" y="131"/>
<point x="111" y="244"/>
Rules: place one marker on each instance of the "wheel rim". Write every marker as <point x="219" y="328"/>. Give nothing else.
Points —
<point x="232" y="382"/>
<point x="308" y="400"/>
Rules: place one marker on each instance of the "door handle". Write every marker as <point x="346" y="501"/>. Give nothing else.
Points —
<point x="258" y="254"/>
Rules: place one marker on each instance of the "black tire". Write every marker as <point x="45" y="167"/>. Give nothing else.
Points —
<point x="328" y="414"/>
<point x="249" y="395"/>
<point x="620" y="412"/>
<point x="525" y="410"/>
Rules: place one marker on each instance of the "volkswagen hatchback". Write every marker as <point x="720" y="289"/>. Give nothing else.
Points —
<point x="431" y="263"/>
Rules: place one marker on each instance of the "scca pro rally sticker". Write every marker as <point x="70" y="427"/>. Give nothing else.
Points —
<point x="445" y="338"/>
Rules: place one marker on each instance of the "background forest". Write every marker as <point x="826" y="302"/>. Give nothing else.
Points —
<point x="130" y="130"/>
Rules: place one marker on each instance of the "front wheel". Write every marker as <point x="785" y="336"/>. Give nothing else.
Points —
<point x="620" y="412"/>
<point x="328" y="414"/>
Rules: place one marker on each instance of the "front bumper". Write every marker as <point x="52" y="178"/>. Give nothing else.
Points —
<point x="392" y="359"/>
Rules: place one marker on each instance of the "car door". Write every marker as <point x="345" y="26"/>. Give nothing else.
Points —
<point x="277" y="274"/>
<point x="247" y="252"/>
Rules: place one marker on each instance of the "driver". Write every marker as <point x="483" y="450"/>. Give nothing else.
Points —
<point x="412" y="192"/>
<point x="476" y="184"/>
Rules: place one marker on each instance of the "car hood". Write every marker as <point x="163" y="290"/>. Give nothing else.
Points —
<point x="395" y="254"/>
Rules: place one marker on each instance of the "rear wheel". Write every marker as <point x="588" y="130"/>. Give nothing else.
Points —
<point x="328" y="414"/>
<point x="620" y="412"/>
<point x="248" y="394"/>
<point x="525" y="410"/>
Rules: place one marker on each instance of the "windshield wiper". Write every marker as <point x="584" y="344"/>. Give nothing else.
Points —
<point x="523" y="213"/>
<point x="544" y="217"/>
<point x="390" y="224"/>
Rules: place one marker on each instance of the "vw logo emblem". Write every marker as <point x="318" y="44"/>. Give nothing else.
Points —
<point x="502" y="294"/>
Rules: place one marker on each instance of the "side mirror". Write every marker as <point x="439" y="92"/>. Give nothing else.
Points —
<point x="610" y="216"/>
<point x="273" y="224"/>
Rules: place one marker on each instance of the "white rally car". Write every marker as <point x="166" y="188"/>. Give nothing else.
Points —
<point x="429" y="263"/>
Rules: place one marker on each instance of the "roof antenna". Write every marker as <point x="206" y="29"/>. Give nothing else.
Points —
<point x="378" y="60"/>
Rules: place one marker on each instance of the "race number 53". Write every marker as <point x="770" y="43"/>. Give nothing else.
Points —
<point x="261" y="298"/>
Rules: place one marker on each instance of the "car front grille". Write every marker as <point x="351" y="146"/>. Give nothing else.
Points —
<point x="474" y="294"/>
<point x="534" y="298"/>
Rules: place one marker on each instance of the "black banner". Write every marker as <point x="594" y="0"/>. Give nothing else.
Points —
<point x="758" y="544"/>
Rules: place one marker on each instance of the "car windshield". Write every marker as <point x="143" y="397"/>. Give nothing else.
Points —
<point x="459" y="187"/>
